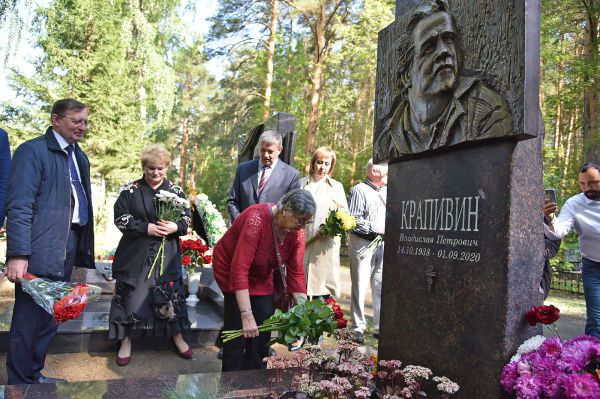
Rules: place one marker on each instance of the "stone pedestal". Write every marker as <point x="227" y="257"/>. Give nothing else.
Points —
<point x="463" y="261"/>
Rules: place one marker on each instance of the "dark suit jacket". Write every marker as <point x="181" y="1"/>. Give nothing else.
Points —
<point x="38" y="207"/>
<point x="244" y="191"/>
<point x="4" y="168"/>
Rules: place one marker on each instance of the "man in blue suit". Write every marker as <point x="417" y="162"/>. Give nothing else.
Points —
<point x="4" y="165"/>
<point x="50" y="229"/>
<point x="262" y="180"/>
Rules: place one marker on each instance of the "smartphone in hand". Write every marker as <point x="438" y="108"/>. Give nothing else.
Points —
<point x="550" y="195"/>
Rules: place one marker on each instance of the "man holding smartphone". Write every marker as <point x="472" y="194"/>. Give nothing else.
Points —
<point x="582" y="212"/>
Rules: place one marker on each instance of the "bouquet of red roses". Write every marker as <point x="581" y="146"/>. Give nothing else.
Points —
<point x="194" y="253"/>
<point x="63" y="300"/>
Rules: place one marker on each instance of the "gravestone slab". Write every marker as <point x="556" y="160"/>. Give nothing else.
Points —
<point x="281" y="122"/>
<point x="460" y="266"/>
<point x="457" y="117"/>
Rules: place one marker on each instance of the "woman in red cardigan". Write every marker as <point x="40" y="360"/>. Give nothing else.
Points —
<point x="244" y="261"/>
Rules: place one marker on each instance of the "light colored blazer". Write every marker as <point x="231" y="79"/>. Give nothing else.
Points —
<point x="322" y="256"/>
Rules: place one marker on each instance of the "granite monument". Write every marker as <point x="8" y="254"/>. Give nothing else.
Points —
<point x="457" y="118"/>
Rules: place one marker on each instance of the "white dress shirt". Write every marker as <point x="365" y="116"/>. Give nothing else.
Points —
<point x="268" y="171"/>
<point x="63" y="144"/>
<point x="583" y="214"/>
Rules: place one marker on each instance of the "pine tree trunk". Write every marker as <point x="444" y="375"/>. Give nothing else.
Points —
<point x="270" y="57"/>
<point x="355" y="142"/>
<point x="591" y="134"/>
<point x="185" y="138"/>
<point x="316" y="79"/>
<point x="288" y="79"/>
<point x="192" y="186"/>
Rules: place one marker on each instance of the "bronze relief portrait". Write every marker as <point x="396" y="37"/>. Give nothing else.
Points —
<point x="433" y="102"/>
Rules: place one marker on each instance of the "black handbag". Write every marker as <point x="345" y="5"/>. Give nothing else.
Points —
<point x="162" y="302"/>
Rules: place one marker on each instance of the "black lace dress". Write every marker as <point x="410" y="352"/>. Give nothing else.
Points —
<point x="146" y="302"/>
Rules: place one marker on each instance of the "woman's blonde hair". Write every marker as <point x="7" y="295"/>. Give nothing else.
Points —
<point x="155" y="152"/>
<point x="323" y="150"/>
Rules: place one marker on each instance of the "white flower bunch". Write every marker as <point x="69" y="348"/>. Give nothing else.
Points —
<point x="532" y="344"/>
<point x="446" y="385"/>
<point x="416" y="373"/>
<point x="170" y="206"/>
<point x="214" y="220"/>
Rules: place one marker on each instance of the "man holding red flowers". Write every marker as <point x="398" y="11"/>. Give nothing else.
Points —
<point x="50" y="229"/>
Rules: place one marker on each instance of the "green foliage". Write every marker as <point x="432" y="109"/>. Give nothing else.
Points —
<point x="108" y="55"/>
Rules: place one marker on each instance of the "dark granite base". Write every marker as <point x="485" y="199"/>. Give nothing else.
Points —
<point x="233" y="385"/>
<point x="457" y="283"/>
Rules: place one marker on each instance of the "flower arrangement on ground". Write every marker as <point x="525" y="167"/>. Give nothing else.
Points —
<point x="194" y="252"/>
<point x="551" y="368"/>
<point x="169" y="207"/>
<point x="63" y="300"/>
<point x="107" y="255"/>
<point x="308" y="319"/>
<point x="351" y="374"/>
<point x="338" y="223"/>
<point x="214" y="223"/>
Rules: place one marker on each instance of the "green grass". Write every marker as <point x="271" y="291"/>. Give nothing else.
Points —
<point x="569" y="304"/>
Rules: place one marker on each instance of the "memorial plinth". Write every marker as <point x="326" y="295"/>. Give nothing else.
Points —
<point x="457" y="118"/>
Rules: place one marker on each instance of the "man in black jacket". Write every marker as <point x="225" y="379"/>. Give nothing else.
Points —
<point x="50" y="229"/>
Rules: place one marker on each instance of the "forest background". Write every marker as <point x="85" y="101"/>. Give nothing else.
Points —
<point x="146" y="79"/>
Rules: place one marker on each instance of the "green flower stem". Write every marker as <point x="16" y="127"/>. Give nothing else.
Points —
<point x="554" y="329"/>
<point x="161" y="251"/>
<point x="275" y="325"/>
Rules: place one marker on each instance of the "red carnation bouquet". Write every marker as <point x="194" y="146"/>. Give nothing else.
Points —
<point x="544" y="314"/>
<point x="63" y="300"/>
<point x="194" y="253"/>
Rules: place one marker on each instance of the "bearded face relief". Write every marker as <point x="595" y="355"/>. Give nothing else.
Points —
<point x="431" y="103"/>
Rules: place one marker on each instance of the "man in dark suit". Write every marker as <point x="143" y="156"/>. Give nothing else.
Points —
<point x="50" y="229"/>
<point x="262" y="180"/>
<point x="4" y="168"/>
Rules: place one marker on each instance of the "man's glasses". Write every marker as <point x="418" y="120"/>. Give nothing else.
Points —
<point x="76" y="122"/>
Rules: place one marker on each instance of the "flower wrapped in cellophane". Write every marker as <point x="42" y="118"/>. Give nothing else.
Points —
<point x="338" y="223"/>
<point x="169" y="208"/>
<point x="307" y="319"/>
<point x="62" y="299"/>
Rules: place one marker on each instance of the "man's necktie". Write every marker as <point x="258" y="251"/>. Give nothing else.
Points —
<point x="263" y="180"/>
<point x="81" y="198"/>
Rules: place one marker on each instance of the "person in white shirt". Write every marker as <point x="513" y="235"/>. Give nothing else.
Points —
<point x="582" y="213"/>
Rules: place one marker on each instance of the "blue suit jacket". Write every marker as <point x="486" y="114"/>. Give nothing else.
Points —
<point x="244" y="191"/>
<point x="39" y="207"/>
<point x="4" y="169"/>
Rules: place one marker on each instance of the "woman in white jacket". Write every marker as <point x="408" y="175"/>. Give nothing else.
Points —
<point x="322" y="256"/>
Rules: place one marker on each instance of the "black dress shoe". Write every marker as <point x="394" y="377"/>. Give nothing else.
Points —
<point x="49" y="380"/>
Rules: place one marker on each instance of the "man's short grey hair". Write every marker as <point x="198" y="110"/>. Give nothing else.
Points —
<point x="270" y="137"/>
<point x="300" y="202"/>
<point x="371" y="165"/>
<point x="406" y="44"/>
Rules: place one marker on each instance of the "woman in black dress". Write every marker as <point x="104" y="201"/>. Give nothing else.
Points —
<point x="146" y="301"/>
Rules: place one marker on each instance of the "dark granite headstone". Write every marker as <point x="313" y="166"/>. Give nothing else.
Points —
<point x="281" y="122"/>
<point x="464" y="254"/>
